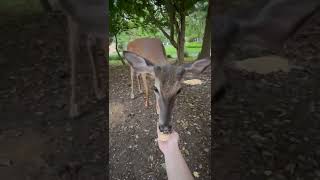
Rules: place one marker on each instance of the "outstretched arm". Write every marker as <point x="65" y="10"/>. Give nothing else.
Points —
<point x="176" y="166"/>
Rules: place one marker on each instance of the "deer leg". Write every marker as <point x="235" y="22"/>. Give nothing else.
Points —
<point x="131" y="75"/>
<point x="146" y="98"/>
<point x="139" y="83"/>
<point x="73" y="50"/>
<point x="96" y="83"/>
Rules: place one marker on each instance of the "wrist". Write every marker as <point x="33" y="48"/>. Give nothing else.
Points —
<point x="172" y="150"/>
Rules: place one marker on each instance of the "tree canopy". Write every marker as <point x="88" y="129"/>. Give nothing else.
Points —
<point x="174" y="19"/>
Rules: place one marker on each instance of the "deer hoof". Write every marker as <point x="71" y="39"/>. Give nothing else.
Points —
<point x="132" y="96"/>
<point x="74" y="111"/>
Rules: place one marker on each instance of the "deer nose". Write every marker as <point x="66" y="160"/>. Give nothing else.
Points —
<point x="166" y="129"/>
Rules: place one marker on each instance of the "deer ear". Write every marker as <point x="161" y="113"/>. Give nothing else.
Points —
<point x="198" y="66"/>
<point x="139" y="64"/>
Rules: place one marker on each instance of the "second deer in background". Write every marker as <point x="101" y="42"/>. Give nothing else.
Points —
<point x="151" y="49"/>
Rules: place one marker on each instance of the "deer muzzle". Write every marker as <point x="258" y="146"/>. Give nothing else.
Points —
<point x="165" y="118"/>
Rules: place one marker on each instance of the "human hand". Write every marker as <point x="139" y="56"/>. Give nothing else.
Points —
<point x="171" y="144"/>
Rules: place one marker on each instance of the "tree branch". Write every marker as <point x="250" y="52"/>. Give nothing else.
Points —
<point x="171" y="12"/>
<point x="157" y="24"/>
<point x="176" y="23"/>
<point x="171" y="39"/>
<point x="121" y="58"/>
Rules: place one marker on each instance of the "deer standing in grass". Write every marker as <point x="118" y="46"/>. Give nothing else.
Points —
<point x="147" y="56"/>
<point x="87" y="17"/>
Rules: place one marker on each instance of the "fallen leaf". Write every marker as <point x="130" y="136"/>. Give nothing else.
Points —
<point x="196" y="174"/>
<point x="193" y="82"/>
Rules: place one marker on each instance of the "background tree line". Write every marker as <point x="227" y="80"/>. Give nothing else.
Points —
<point x="182" y="25"/>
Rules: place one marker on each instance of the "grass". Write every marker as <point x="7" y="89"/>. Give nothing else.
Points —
<point x="115" y="62"/>
<point x="192" y="49"/>
<point x="114" y="57"/>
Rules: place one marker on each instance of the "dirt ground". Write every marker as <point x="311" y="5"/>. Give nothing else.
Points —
<point x="133" y="151"/>
<point x="267" y="126"/>
<point x="37" y="139"/>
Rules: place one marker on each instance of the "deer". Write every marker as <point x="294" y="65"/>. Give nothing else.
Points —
<point x="88" y="18"/>
<point x="276" y="21"/>
<point x="147" y="57"/>
<point x="151" y="49"/>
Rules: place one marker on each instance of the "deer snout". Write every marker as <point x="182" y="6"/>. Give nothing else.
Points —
<point x="165" y="116"/>
<point x="166" y="129"/>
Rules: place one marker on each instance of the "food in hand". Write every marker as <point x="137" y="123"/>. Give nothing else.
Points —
<point x="163" y="136"/>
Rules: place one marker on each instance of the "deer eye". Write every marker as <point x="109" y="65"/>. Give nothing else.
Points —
<point x="179" y="91"/>
<point x="155" y="89"/>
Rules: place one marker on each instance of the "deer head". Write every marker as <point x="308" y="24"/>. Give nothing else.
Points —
<point x="167" y="85"/>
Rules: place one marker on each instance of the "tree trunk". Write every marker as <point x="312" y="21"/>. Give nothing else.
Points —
<point x="121" y="58"/>
<point x="206" y="40"/>
<point x="181" y="39"/>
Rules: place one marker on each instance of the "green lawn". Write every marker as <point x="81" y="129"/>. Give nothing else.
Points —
<point x="115" y="63"/>
<point x="192" y="50"/>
